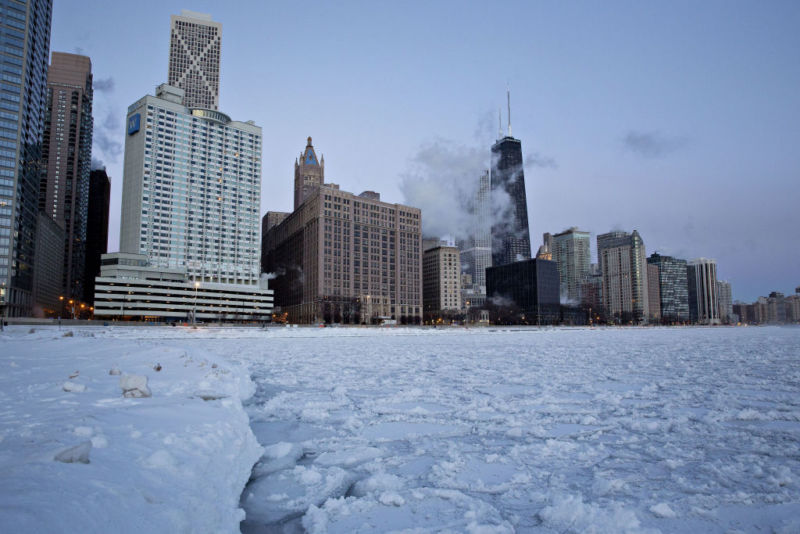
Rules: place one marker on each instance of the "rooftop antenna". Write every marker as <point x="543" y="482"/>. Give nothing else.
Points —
<point x="508" y="96"/>
<point x="499" y="123"/>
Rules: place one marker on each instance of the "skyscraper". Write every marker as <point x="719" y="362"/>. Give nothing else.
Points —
<point x="309" y="173"/>
<point x="703" y="300"/>
<point x="476" y="249"/>
<point x="96" y="226"/>
<point x="194" y="50"/>
<point x="67" y="153"/>
<point x="624" y="267"/>
<point x="25" y="47"/>
<point x="511" y="240"/>
<point x="725" y="300"/>
<point x="673" y="288"/>
<point x="570" y="250"/>
<point x="192" y="189"/>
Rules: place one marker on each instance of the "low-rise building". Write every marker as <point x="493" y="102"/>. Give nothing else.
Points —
<point x="129" y="287"/>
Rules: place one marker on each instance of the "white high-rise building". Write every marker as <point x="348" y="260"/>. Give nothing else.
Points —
<point x="192" y="190"/>
<point x="194" y="51"/>
<point x="703" y="297"/>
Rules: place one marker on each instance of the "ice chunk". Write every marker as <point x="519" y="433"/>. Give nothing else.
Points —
<point x="73" y="387"/>
<point x="662" y="509"/>
<point x="348" y="457"/>
<point x="276" y="497"/>
<point x="77" y="454"/>
<point x="134" y="386"/>
<point x="114" y="371"/>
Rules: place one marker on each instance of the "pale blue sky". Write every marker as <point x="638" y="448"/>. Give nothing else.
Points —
<point x="678" y="119"/>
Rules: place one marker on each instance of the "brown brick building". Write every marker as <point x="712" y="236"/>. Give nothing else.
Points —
<point x="346" y="258"/>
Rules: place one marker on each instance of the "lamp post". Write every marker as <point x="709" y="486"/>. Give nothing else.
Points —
<point x="72" y="307"/>
<point x="194" y="307"/>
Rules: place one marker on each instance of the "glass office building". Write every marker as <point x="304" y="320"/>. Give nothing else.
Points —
<point x="673" y="288"/>
<point x="25" y="36"/>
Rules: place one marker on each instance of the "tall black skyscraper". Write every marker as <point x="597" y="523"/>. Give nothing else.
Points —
<point x="23" y="101"/>
<point x="511" y="240"/>
<point x="96" y="227"/>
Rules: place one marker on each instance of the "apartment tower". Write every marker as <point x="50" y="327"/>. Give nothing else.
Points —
<point x="624" y="267"/>
<point x="67" y="153"/>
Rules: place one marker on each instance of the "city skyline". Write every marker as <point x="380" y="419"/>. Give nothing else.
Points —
<point x="686" y="114"/>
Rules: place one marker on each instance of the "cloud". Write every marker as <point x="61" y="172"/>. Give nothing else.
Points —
<point x="441" y="180"/>
<point x="106" y="135"/>
<point x="103" y="85"/>
<point x="535" y="159"/>
<point x="652" y="145"/>
<point x="97" y="163"/>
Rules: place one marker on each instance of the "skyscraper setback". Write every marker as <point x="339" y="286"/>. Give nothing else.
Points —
<point x="24" y="61"/>
<point x="511" y="239"/>
<point x="194" y="51"/>
<point x="67" y="154"/>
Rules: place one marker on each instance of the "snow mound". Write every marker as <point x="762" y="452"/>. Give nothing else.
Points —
<point x="134" y="386"/>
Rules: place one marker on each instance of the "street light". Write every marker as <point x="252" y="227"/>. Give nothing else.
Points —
<point x="194" y="308"/>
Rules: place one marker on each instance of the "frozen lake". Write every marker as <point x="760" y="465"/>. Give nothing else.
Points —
<point x="373" y="430"/>
<point x="564" y="430"/>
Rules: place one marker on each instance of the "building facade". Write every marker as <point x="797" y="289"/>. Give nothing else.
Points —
<point x="23" y="100"/>
<point x="673" y="288"/>
<point x="67" y="155"/>
<point x="623" y="264"/>
<point x="309" y="173"/>
<point x="441" y="282"/>
<point x="347" y="258"/>
<point x="524" y="292"/>
<point x="570" y="250"/>
<point x="48" y="295"/>
<point x="194" y="51"/>
<point x="703" y="298"/>
<point x="511" y="240"/>
<point x="653" y="293"/>
<point x="96" y="226"/>
<point x="192" y="189"/>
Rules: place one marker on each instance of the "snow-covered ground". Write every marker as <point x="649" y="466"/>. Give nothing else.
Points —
<point x="367" y="430"/>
